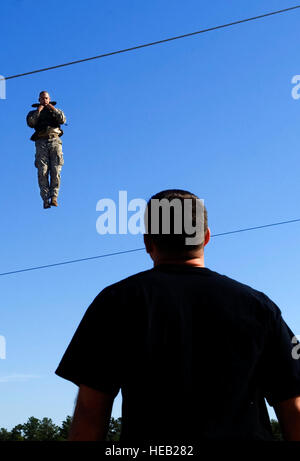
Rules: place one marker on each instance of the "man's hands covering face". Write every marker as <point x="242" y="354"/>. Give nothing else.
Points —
<point x="42" y="106"/>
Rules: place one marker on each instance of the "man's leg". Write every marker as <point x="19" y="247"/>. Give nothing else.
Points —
<point x="42" y="165"/>
<point x="56" y="163"/>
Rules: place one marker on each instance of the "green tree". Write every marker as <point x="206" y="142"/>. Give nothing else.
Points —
<point x="16" y="434"/>
<point x="4" y="435"/>
<point x="47" y="430"/>
<point x="65" y="428"/>
<point x="30" y="429"/>
<point x="276" y="430"/>
<point x="114" y="430"/>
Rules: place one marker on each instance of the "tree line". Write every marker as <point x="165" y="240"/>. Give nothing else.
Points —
<point x="44" y="430"/>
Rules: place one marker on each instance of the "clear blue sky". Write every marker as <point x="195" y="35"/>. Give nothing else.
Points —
<point x="212" y="114"/>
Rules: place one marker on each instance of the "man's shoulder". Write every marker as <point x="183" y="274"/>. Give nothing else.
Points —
<point x="217" y="284"/>
<point x="240" y="289"/>
<point x="215" y="278"/>
<point x="130" y="281"/>
<point x="114" y="294"/>
<point x="31" y="112"/>
<point x="57" y="109"/>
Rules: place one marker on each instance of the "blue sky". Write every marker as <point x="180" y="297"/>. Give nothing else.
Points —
<point x="212" y="114"/>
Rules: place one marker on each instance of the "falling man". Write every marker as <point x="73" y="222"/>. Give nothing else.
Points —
<point x="46" y="121"/>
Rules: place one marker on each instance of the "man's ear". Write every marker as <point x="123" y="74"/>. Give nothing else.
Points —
<point x="148" y="243"/>
<point x="207" y="237"/>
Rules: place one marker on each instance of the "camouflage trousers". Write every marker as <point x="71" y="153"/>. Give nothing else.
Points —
<point x="49" y="161"/>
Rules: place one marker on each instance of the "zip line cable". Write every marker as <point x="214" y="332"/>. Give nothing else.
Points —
<point x="140" y="249"/>
<point x="158" y="42"/>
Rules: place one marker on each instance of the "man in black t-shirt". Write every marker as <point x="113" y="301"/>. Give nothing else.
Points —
<point x="194" y="353"/>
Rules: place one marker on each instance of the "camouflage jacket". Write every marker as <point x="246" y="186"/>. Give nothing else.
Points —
<point x="34" y="117"/>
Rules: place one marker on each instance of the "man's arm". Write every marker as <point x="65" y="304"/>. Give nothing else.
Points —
<point x="288" y="414"/>
<point x="32" y="118"/>
<point x="57" y="114"/>
<point x="91" y="416"/>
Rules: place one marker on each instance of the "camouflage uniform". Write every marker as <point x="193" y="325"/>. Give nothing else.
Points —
<point x="49" y="156"/>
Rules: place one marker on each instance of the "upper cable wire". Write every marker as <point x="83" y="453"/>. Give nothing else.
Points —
<point x="158" y="42"/>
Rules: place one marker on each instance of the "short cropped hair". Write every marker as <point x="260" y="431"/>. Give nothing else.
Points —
<point x="43" y="92"/>
<point x="166" y="217"/>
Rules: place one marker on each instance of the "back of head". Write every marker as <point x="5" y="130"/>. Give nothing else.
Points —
<point x="176" y="221"/>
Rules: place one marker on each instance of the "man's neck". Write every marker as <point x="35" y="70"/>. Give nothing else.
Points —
<point x="195" y="262"/>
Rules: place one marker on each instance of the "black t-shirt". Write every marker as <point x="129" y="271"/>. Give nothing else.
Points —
<point x="194" y="353"/>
